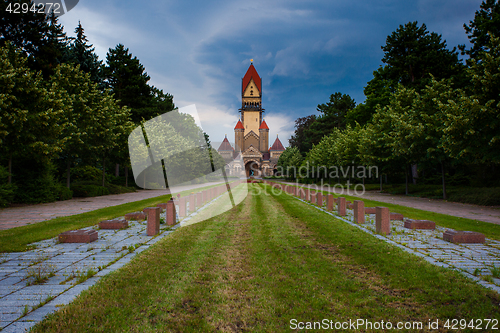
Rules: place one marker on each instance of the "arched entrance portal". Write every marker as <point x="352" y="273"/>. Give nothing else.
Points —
<point x="252" y="169"/>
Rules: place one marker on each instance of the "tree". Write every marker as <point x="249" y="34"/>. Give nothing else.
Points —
<point x="81" y="53"/>
<point x="289" y="162"/>
<point x="310" y="130"/>
<point x="299" y="139"/>
<point x="486" y="21"/>
<point x="413" y="55"/>
<point x="31" y="113"/>
<point x="473" y="118"/>
<point x="127" y="79"/>
<point x="335" y="111"/>
<point x="38" y="36"/>
<point x="377" y="91"/>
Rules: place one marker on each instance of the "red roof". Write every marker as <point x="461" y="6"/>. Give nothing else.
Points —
<point x="263" y="125"/>
<point x="251" y="74"/>
<point x="277" y="145"/>
<point x="225" y="145"/>
<point x="239" y="125"/>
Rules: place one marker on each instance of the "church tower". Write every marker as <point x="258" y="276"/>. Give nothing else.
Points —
<point x="251" y="134"/>
<point x="251" y="101"/>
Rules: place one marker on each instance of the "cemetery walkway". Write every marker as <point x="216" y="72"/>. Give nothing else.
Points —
<point x="19" y="216"/>
<point x="473" y="212"/>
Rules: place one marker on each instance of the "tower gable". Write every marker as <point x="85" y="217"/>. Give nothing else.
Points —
<point x="251" y="90"/>
<point x="249" y="75"/>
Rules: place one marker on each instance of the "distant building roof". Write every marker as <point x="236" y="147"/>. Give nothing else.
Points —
<point x="239" y="125"/>
<point x="263" y="125"/>
<point x="277" y="146"/>
<point x="251" y="74"/>
<point x="225" y="145"/>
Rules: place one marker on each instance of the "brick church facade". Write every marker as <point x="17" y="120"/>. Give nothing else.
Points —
<point x="251" y="154"/>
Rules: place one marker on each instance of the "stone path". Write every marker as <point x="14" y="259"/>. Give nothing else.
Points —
<point x="476" y="261"/>
<point x="473" y="212"/>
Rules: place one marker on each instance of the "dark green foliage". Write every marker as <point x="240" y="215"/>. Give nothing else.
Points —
<point x="413" y="55"/>
<point x="378" y="92"/>
<point x="486" y="20"/>
<point x="128" y="80"/>
<point x="6" y="190"/>
<point x="477" y="196"/>
<point x="90" y="190"/>
<point x="311" y="129"/>
<point x="86" y="173"/>
<point x="38" y="36"/>
<point x="63" y="193"/>
<point x="81" y="53"/>
<point x="35" y="181"/>
<point x="299" y="138"/>
<point x="333" y="115"/>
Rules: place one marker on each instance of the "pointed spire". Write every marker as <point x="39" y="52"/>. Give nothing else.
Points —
<point x="225" y="145"/>
<point x="277" y="145"/>
<point x="263" y="125"/>
<point x="239" y="125"/>
<point x="251" y="74"/>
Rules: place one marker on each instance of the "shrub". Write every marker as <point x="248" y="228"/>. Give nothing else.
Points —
<point x="489" y="196"/>
<point x="7" y="191"/>
<point x="86" y="173"/>
<point x="63" y="193"/>
<point x="35" y="182"/>
<point x="82" y="190"/>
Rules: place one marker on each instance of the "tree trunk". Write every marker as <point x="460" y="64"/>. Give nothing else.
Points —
<point x="68" y="170"/>
<point x="381" y="183"/>
<point x="126" y="176"/>
<point x="117" y="170"/>
<point x="10" y="170"/>
<point x="414" y="173"/>
<point x="444" y="182"/>
<point x="406" y="180"/>
<point x="103" y="170"/>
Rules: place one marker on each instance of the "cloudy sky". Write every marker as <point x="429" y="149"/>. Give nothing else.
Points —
<point x="304" y="51"/>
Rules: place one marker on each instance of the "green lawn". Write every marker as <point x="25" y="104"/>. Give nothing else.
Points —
<point x="260" y="266"/>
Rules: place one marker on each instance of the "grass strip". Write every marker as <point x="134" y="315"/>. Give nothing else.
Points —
<point x="491" y="230"/>
<point x="264" y="263"/>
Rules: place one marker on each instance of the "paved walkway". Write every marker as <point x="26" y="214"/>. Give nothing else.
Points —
<point x="19" y="216"/>
<point x="473" y="212"/>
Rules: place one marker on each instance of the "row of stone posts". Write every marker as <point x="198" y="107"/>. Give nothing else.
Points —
<point x="178" y="207"/>
<point x="382" y="214"/>
<point x="188" y="204"/>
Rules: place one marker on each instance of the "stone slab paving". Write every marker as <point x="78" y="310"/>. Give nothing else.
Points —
<point x="476" y="261"/>
<point x="69" y="265"/>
